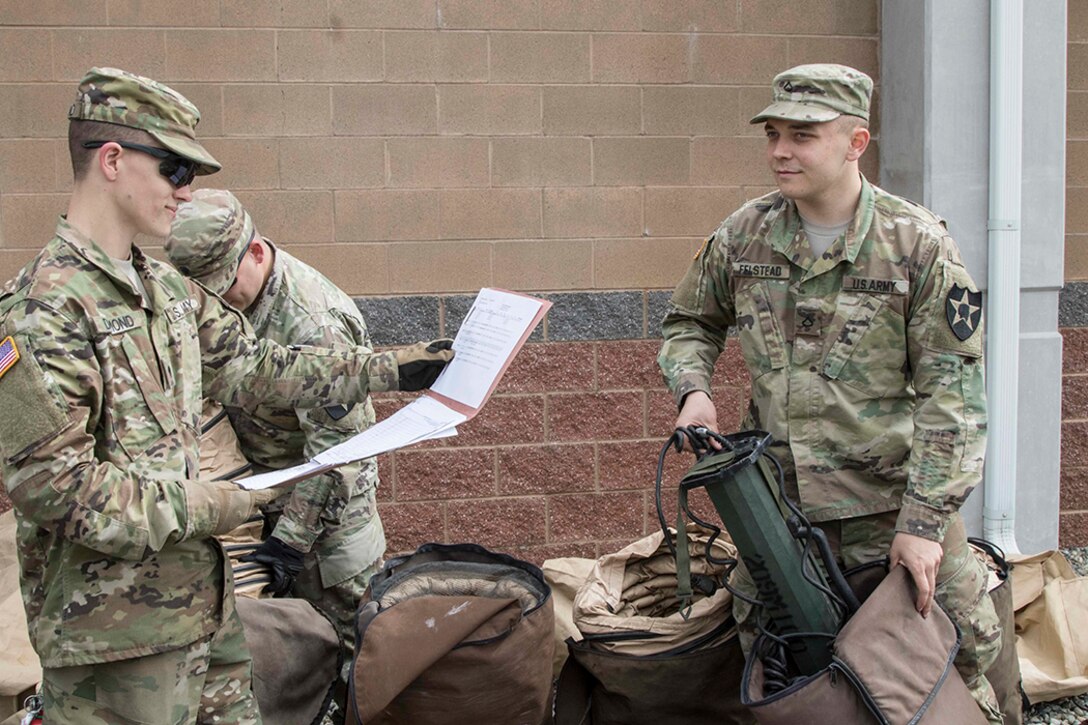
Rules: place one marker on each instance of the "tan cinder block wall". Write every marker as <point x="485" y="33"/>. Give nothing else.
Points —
<point x="408" y="146"/>
<point x="1076" y="145"/>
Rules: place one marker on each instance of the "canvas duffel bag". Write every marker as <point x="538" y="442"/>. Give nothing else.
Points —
<point x="643" y="659"/>
<point x="890" y="665"/>
<point x="453" y="634"/>
<point x="1004" y="673"/>
<point x="297" y="655"/>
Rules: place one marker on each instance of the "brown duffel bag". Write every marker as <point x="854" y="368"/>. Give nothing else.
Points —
<point x="453" y="634"/>
<point x="598" y="687"/>
<point x="643" y="657"/>
<point x="890" y="665"/>
<point x="1004" y="673"/>
<point x="297" y="655"/>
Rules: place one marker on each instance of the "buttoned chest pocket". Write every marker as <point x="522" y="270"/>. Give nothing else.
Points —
<point x="137" y="411"/>
<point x="869" y="348"/>
<point x="760" y="334"/>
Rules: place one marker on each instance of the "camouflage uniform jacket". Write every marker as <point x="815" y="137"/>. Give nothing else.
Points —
<point x="853" y="358"/>
<point x="335" y="514"/>
<point x="100" y="452"/>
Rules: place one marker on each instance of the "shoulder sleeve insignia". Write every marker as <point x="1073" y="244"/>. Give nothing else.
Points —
<point x="702" y="247"/>
<point x="963" y="310"/>
<point x="9" y="355"/>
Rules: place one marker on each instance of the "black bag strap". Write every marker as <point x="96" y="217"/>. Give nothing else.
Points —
<point x="995" y="552"/>
<point x="573" y="692"/>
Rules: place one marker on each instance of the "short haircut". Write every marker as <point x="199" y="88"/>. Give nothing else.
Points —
<point x="847" y="123"/>
<point x="81" y="131"/>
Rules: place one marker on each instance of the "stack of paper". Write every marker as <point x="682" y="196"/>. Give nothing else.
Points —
<point x="495" y="328"/>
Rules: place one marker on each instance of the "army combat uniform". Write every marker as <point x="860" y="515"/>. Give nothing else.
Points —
<point x="104" y="363"/>
<point x="100" y="455"/>
<point x="866" y="368"/>
<point x="333" y="516"/>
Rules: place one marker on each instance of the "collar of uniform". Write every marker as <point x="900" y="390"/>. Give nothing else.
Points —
<point x="94" y="254"/>
<point x="786" y="237"/>
<point x="156" y="289"/>
<point x="266" y="304"/>
<point x="863" y="220"/>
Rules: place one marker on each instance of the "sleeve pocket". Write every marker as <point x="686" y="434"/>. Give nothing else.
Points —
<point x="32" y="409"/>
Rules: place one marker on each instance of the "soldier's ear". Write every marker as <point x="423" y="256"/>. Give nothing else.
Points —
<point x="859" y="141"/>
<point x="258" y="250"/>
<point x="108" y="160"/>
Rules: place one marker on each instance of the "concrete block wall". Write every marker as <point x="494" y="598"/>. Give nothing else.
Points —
<point x="417" y="150"/>
<point x="1073" y="311"/>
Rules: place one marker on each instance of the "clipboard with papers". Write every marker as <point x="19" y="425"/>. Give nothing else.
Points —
<point x="493" y="331"/>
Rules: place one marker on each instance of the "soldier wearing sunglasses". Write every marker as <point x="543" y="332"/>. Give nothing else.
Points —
<point x="105" y="357"/>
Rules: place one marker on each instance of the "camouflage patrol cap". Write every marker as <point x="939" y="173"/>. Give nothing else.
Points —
<point x="817" y="93"/>
<point x="209" y="238"/>
<point x="115" y="96"/>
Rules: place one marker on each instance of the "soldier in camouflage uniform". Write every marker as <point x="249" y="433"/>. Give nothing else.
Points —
<point x="105" y="357"/>
<point x="862" y="332"/>
<point x="328" y="541"/>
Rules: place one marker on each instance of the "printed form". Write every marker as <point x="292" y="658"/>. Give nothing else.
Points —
<point x="495" y="328"/>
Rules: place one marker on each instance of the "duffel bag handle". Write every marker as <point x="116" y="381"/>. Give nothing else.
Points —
<point x="995" y="552"/>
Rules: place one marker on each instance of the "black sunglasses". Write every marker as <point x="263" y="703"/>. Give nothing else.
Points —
<point x="178" y="170"/>
<point x="238" y="264"/>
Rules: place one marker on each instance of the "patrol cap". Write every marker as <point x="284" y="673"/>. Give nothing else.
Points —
<point x="209" y="237"/>
<point x="818" y="92"/>
<point x="115" y="96"/>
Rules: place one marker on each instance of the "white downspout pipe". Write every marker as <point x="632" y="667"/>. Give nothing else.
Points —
<point x="1003" y="298"/>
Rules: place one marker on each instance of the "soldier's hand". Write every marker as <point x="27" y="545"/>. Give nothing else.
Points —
<point x="235" y="504"/>
<point x="284" y="561"/>
<point x="922" y="558"/>
<point x="698" y="410"/>
<point x="420" y="364"/>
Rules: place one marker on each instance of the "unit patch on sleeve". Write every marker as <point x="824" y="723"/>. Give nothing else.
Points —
<point x="963" y="309"/>
<point x="9" y="355"/>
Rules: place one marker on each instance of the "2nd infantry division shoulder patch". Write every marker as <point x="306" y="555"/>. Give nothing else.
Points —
<point x="963" y="309"/>
<point x="9" y="355"/>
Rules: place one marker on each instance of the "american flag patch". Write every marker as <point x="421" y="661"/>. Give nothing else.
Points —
<point x="9" y="355"/>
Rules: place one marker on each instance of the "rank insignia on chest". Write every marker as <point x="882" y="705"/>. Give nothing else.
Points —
<point x="963" y="309"/>
<point x="9" y="355"/>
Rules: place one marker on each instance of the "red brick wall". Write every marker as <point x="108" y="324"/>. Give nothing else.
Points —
<point x="562" y="460"/>
<point x="1073" y="527"/>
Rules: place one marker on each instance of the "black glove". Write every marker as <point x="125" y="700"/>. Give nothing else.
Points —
<point x="285" y="562"/>
<point x="419" y="365"/>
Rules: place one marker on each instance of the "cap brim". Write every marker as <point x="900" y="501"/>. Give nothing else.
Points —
<point x="190" y="149"/>
<point x="792" y="111"/>
<point x="220" y="280"/>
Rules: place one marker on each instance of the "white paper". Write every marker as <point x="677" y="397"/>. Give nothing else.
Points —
<point x="275" y="478"/>
<point x="485" y="342"/>
<point x="420" y="420"/>
<point x="487" y="336"/>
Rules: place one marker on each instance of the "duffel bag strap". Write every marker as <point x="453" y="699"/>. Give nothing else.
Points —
<point x="573" y="692"/>
<point x="995" y="552"/>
